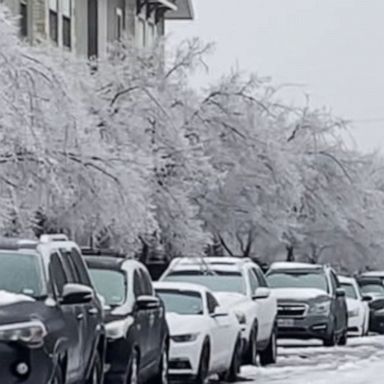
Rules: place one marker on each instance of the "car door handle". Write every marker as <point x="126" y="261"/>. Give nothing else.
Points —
<point x="80" y="316"/>
<point x="93" y="311"/>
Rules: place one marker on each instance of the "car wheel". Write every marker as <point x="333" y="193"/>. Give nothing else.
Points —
<point x="133" y="371"/>
<point x="162" y="374"/>
<point x="251" y="356"/>
<point x="343" y="338"/>
<point x="331" y="339"/>
<point x="269" y="355"/>
<point x="231" y="375"/>
<point x="58" y="377"/>
<point x="96" y="376"/>
<point x="203" y="365"/>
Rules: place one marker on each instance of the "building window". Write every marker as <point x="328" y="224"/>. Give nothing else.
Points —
<point x="151" y="35"/>
<point x="119" y="23"/>
<point x="67" y="24"/>
<point x="53" y="20"/>
<point x="141" y="33"/>
<point x="23" y="18"/>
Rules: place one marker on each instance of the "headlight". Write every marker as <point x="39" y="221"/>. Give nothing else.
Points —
<point x="188" y="338"/>
<point x="354" y="313"/>
<point x="242" y="319"/>
<point x="322" y="308"/>
<point x="119" y="328"/>
<point x="31" y="333"/>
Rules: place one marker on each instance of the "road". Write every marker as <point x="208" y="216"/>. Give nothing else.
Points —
<point x="361" y="362"/>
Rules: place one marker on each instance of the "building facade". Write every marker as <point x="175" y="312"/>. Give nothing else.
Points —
<point x="86" y="27"/>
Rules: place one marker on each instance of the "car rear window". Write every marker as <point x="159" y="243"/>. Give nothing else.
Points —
<point x="22" y="274"/>
<point x="111" y="284"/>
<point x="181" y="302"/>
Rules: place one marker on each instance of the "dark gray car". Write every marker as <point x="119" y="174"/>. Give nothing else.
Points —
<point x="311" y="302"/>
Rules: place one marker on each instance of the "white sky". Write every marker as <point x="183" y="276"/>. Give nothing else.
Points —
<point x="333" y="48"/>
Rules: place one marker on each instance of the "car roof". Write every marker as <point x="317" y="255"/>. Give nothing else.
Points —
<point x="109" y="262"/>
<point x="373" y="274"/>
<point x="295" y="266"/>
<point x="179" y="286"/>
<point x="347" y="280"/>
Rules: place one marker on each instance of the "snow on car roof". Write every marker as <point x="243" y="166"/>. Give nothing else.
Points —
<point x="373" y="274"/>
<point x="347" y="279"/>
<point x="291" y="265"/>
<point x="177" y="286"/>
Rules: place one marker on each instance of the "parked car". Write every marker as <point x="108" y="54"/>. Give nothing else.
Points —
<point x="373" y="290"/>
<point x="205" y="338"/>
<point x="358" y="309"/>
<point x="136" y="328"/>
<point x="51" y="320"/>
<point x="311" y="302"/>
<point x="239" y="285"/>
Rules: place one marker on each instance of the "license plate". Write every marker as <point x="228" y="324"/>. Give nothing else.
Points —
<point x="285" y="323"/>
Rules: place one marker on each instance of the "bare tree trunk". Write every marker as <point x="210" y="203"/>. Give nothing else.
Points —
<point x="290" y="253"/>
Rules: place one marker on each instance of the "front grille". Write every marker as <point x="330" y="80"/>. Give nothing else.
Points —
<point x="179" y="364"/>
<point x="292" y="310"/>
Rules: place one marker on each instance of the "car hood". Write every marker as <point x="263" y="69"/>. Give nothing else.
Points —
<point x="184" y="324"/>
<point x="228" y="300"/>
<point x="299" y="294"/>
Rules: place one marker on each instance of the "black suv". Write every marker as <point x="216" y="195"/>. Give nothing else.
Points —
<point x="136" y="328"/>
<point x="51" y="320"/>
<point x="311" y="302"/>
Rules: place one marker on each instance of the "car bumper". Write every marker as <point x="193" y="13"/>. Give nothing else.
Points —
<point x="310" y="327"/>
<point x="36" y="363"/>
<point x="184" y="358"/>
<point x="376" y="323"/>
<point x="355" y="326"/>
<point x="116" y="362"/>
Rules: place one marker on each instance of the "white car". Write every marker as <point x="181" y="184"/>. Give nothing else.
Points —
<point x="239" y="285"/>
<point x="205" y="338"/>
<point x="358" y="309"/>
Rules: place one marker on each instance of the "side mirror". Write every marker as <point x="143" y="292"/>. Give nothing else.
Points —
<point x="367" y="298"/>
<point x="219" y="312"/>
<point x="144" y="303"/>
<point x="261" y="293"/>
<point x="77" y="294"/>
<point x="340" y="292"/>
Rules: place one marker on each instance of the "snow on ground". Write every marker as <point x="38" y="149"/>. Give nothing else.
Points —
<point x="361" y="362"/>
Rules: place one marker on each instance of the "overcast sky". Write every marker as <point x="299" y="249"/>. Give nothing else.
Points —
<point x="333" y="48"/>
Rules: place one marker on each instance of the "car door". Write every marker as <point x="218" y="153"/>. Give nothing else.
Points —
<point x="221" y="337"/>
<point x="155" y="315"/>
<point x="91" y="310"/>
<point x="142" y="322"/>
<point x="268" y="306"/>
<point x="72" y="319"/>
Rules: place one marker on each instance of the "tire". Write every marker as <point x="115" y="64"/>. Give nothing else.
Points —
<point x="162" y="374"/>
<point x="58" y="376"/>
<point x="133" y="369"/>
<point x="343" y="338"/>
<point x="231" y="375"/>
<point x="96" y="376"/>
<point x="251" y="354"/>
<point x="331" y="339"/>
<point x="269" y="355"/>
<point x="202" y="374"/>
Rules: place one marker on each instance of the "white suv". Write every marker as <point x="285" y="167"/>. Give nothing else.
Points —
<point x="239" y="284"/>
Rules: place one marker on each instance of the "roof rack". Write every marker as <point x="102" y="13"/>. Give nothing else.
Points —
<point x="86" y="251"/>
<point x="54" y="237"/>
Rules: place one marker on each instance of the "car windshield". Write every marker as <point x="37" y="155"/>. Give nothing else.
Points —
<point x="366" y="289"/>
<point x="216" y="281"/>
<point x="297" y="279"/>
<point x="350" y="290"/>
<point x="182" y="302"/>
<point x="22" y="274"/>
<point x="111" y="284"/>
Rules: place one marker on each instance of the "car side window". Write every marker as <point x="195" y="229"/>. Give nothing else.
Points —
<point x="57" y="275"/>
<point x="80" y="267"/>
<point x="253" y="281"/>
<point x="137" y="290"/>
<point x="147" y="287"/>
<point x="211" y="303"/>
<point x="260" y="277"/>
